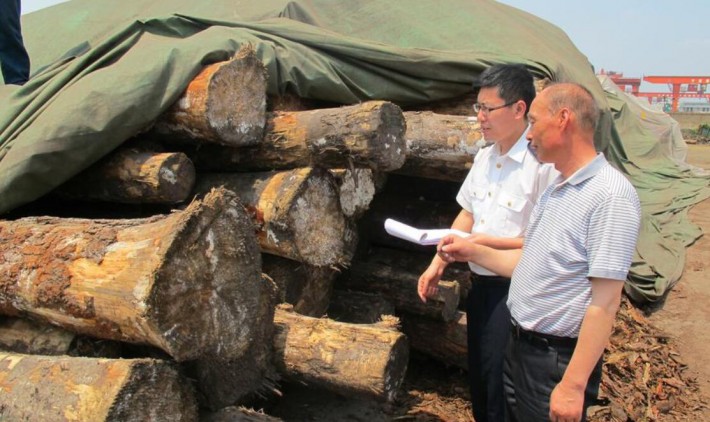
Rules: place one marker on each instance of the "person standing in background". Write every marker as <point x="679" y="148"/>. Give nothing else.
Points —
<point x="497" y="199"/>
<point x="14" y="60"/>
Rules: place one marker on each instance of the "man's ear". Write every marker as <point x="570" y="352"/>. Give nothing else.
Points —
<point x="520" y="108"/>
<point x="563" y="117"/>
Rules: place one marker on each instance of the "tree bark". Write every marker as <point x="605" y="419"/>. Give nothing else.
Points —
<point x="445" y="341"/>
<point x="357" y="189"/>
<point x="297" y="213"/>
<point x="134" y="177"/>
<point x="187" y="283"/>
<point x="305" y="287"/>
<point x="238" y="414"/>
<point x="440" y="146"/>
<point x="358" y="307"/>
<point x="349" y="359"/>
<point x="224" y="104"/>
<point x="368" y="135"/>
<point x="399" y="285"/>
<point x="84" y="389"/>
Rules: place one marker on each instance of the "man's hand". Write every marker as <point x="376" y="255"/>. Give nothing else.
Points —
<point x="429" y="280"/>
<point x="454" y="248"/>
<point x="566" y="402"/>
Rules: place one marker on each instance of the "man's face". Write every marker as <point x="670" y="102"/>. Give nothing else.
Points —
<point x="544" y="134"/>
<point x="496" y="125"/>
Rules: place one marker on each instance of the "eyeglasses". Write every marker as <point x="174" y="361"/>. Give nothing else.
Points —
<point x="480" y="108"/>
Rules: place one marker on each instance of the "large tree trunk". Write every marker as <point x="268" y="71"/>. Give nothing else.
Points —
<point x="238" y="414"/>
<point x="399" y="285"/>
<point x="440" y="146"/>
<point x="305" y="287"/>
<point x="224" y="104"/>
<point x="297" y="212"/>
<point x="135" y="177"/>
<point x="52" y="388"/>
<point x="364" y="135"/>
<point x="362" y="360"/>
<point x="357" y="189"/>
<point x="445" y="341"/>
<point x="187" y="283"/>
<point x="358" y="307"/>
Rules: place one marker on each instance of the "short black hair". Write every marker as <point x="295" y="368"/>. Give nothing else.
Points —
<point x="514" y="82"/>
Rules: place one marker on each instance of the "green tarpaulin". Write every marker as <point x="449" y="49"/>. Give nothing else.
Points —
<point x="102" y="71"/>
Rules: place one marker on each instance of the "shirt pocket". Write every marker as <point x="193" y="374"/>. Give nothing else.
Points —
<point x="478" y="197"/>
<point x="513" y="214"/>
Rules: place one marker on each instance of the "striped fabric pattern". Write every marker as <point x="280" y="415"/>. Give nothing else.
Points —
<point x="586" y="226"/>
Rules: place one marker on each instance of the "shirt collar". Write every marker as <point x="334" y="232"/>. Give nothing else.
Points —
<point x="519" y="149"/>
<point x="588" y="171"/>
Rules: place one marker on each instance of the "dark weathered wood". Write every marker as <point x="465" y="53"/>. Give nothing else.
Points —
<point x="358" y="307"/>
<point x="134" y="176"/>
<point x="61" y="388"/>
<point x="440" y="146"/>
<point x="445" y="341"/>
<point x="357" y="189"/>
<point x="297" y="212"/>
<point x="368" y="135"/>
<point x="238" y="414"/>
<point x="224" y="382"/>
<point x="187" y="283"/>
<point x="224" y="104"/>
<point x="399" y="285"/>
<point x="305" y="287"/>
<point x="349" y="359"/>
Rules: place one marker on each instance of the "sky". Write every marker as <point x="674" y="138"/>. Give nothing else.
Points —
<point x="635" y="37"/>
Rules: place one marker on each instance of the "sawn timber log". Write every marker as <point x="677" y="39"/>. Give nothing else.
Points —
<point x="187" y="283"/>
<point x="61" y="388"/>
<point x="368" y="135"/>
<point x="224" y="104"/>
<point x="358" y="359"/>
<point x="297" y="213"/>
<point x="135" y="177"/>
<point x="445" y="341"/>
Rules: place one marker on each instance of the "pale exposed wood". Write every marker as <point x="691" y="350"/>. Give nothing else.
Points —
<point x="297" y="212"/>
<point x="225" y="104"/>
<point x="357" y="189"/>
<point x="61" y="388"/>
<point x="445" y="341"/>
<point x="368" y="135"/>
<point x="305" y="287"/>
<point x="134" y="176"/>
<point x="399" y="285"/>
<point x="440" y="146"/>
<point x="187" y="283"/>
<point x="358" y="307"/>
<point x="349" y="359"/>
<point x="238" y="414"/>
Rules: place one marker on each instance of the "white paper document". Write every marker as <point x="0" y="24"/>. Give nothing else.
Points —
<point x="420" y="236"/>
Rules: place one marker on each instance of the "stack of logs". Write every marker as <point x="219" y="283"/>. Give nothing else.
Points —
<point x="271" y="261"/>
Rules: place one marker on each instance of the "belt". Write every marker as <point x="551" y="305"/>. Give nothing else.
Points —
<point x="540" y="339"/>
<point x="490" y="280"/>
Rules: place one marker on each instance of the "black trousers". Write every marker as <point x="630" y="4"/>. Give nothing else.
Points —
<point x="534" y="365"/>
<point x="14" y="60"/>
<point x="488" y="324"/>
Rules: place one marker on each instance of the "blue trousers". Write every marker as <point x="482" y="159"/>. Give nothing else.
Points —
<point x="488" y="323"/>
<point x="14" y="60"/>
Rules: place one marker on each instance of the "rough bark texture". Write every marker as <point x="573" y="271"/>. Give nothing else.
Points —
<point x="440" y="146"/>
<point x="445" y="341"/>
<point x="399" y="285"/>
<point x="238" y="414"/>
<point x="297" y="212"/>
<point x="358" y="307"/>
<point x="357" y="189"/>
<point x="305" y="287"/>
<point x="133" y="176"/>
<point x="369" y="135"/>
<point x="349" y="359"/>
<point x="187" y="283"/>
<point x="34" y="338"/>
<point x="224" y="104"/>
<point x="52" y="388"/>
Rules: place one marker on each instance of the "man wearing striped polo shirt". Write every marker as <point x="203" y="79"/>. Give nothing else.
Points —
<point x="568" y="277"/>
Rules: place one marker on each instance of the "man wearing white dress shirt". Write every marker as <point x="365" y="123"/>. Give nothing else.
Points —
<point x="496" y="198"/>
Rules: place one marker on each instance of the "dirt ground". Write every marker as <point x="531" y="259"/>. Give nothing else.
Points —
<point x="433" y="392"/>
<point x="685" y="314"/>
